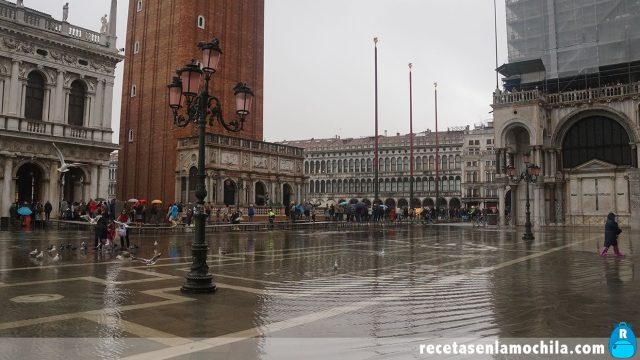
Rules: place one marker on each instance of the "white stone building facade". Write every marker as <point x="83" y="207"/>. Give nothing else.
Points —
<point x="342" y="169"/>
<point x="56" y="86"/>
<point x="479" y="186"/>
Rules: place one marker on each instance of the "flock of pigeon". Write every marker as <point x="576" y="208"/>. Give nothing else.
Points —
<point x="55" y="253"/>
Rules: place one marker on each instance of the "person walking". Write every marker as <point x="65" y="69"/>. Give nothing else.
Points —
<point x="100" y="229"/>
<point x="251" y="212"/>
<point x="123" y="229"/>
<point x="47" y="210"/>
<point x="173" y="215"/>
<point x="611" y="232"/>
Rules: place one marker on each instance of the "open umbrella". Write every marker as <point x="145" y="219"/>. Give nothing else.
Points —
<point x="142" y="201"/>
<point x="156" y="202"/>
<point x="132" y="200"/>
<point x="343" y="203"/>
<point x="25" y="211"/>
<point x="100" y="199"/>
<point x="384" y="207"/>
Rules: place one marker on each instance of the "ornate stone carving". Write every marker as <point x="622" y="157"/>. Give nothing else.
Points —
<point x="11" y="44"/>
<point x="55" y="55"/>
<point x="260" y="162"/>
<point x="213" y="156"/>
<point x="70" y="59"/>
<point x="231" y="159"/>
<point x="286" y="165"/>
<point x="245" y="160"/>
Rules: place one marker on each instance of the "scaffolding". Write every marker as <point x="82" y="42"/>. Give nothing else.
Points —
<point x="573" y="38"/>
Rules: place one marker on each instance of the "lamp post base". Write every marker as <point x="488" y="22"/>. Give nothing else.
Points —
<point x="198" y="284"/>
<point x="528" y="235"/>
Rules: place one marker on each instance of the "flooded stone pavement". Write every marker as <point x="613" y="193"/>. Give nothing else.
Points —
<point x="370" y="293"/>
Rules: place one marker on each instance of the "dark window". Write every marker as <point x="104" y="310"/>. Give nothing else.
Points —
<point x="596" y="137"/>
<point x="34" y="100"/>
<point x="76" y="103"/>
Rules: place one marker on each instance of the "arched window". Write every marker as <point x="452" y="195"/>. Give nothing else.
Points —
<point x="418" y="164"/>
<point x="306" y="167"/>
<point x="34" y="99"/>
<point x="393" y="164"/>
<point x="136" y="47"/>
<point x="451" y="163"/>
<point x="368" y="165"/>
<point x="201" y="22"/>
<point x="357" y="165"/>
<point x="350" y="165"/>
<point x="387" y="165"/>
<point x="596" y="137"/>
<point x="139" y="7"/>
<point x="76" y="103"/>
<point x="134" y="91"/>
<point x="406" y="164"/>
<point x="444" y="162"/>
<point x="458" y="159"/>
<point x="431" y="163"/>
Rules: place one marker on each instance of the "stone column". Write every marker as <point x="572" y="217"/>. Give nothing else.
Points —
<point x="501" y="209"/>
<point x="614" y="194"/>
<point x="47" y="100"/>
<point x="93" y="185"/>
<point x="54" y="187"/>
<point x="98" y="106"/>
<point x="7" y="198"/>
<point x="58" y="105"/>
<point x="106" y="105"/>
<point x="14" y="92"/>
<point x="559" y="205"/>
<point x="514" y="205"/>
<point x="634" y="198"/>
<point x="65" y="104"/>
<point x="220" y="195"/>
<point x="552" y="204"/>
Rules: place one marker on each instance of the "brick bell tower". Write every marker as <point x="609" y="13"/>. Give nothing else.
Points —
<point x="161" y="37"/>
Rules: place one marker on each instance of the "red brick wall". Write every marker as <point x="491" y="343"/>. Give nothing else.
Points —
<point x="168" y="35"/>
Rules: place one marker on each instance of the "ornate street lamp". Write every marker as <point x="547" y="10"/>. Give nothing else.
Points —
<point x="200" y="106"/>
<point x="530" y="175"/>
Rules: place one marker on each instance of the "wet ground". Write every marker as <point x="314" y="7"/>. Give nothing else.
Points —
<point x="372" y="293"/>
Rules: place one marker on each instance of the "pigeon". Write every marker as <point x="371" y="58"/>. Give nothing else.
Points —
<point x="121" y="257"/>
<point x="40" y="255"/>
<point x="148" y="262"/>
<point x="64" y="167"/>
<point x="381" y="253"/>
<point x="221" y="251"/>
<point x="61" y="247"/>
<point x="335" y="265"/>
<point x="121" y="224"/>
<point x="83" y="246"/>
<point x="70" y="247"/>
<point x="33" y="253"/>
<point x="52" y="249"/>
<point x="90" y="219"/>
<point x="155" y="243"/>
<point x="56" y="258"/>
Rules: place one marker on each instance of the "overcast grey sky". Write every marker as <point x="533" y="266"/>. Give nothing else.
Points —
<point x="319" y="62"/>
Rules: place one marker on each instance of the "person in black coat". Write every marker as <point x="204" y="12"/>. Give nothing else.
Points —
<point x="611" y="232"/>
<point x="100" y="229"/>
<point x="47" y="210"/>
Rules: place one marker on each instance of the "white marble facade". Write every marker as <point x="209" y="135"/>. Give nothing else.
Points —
<point x="56" y="86"/>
